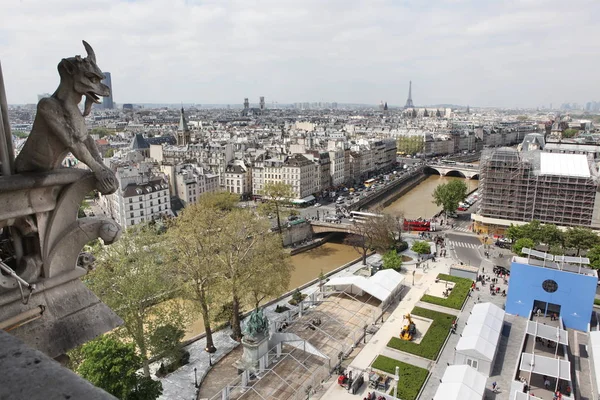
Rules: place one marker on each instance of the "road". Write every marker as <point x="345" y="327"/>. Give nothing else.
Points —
<point x="465" y="247"/>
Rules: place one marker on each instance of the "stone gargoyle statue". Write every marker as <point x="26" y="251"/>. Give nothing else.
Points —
<point x="59" y="126"/>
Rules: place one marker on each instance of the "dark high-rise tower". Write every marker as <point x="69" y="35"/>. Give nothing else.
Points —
<point x="409" y="102"/>
<point x="262" y="103"/>
<point x="107" y="102"/>
<point x="183" y="131"/>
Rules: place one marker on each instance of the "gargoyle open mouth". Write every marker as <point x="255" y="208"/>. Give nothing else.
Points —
<point x="93" y="96"/>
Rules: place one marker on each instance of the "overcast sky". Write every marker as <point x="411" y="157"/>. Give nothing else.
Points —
<point x="507" y="53"/>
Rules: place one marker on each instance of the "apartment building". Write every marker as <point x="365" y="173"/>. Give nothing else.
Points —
<point x="238" y="179"/>
<point x="142" y="196"/>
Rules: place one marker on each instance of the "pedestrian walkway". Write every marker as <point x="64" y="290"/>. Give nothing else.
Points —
<point x="462" y="244"/>
<point x="391" y="328"/>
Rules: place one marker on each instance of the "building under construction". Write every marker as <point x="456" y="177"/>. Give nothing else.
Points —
<point x="554" y="188"/>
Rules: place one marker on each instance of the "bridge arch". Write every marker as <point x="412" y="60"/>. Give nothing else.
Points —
<point x="457" y="173"/>
<point x="431" y="171"/>
<point x="476" y="176"/>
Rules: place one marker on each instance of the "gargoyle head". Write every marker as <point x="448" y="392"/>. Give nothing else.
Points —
<point x="84" y="76"/>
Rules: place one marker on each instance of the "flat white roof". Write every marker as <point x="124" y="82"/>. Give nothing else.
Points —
<point x="481" y="335"/>
<point x="564" y="165"/>
<point x="542" y="365"/>
<point x="381" y="285"/>
<point x="548" y="332"/>
<point x="461" y="382"/>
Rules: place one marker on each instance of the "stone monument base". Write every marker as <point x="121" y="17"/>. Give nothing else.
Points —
<point x="254" y="350"/>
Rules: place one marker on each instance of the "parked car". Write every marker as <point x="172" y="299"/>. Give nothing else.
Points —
<point x="317" y="205"/>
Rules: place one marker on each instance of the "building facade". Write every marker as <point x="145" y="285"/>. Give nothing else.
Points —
<point x="553" y="188"/>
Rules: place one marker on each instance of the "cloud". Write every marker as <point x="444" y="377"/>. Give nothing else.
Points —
<point x="478" y="52"/>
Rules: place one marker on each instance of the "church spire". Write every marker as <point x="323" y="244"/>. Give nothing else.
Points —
<point x="183" y="132"/>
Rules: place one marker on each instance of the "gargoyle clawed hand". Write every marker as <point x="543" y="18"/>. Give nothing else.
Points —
<point x="59" y="126"/>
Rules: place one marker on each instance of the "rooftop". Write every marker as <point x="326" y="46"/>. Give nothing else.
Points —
<point x="562" y="164"/>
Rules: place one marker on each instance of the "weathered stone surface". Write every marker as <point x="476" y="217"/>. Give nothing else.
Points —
<point x="59" y="127"/>
<point x="29" y="374"/>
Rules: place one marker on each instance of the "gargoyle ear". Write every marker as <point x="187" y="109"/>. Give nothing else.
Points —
<point x="68" y="65"/>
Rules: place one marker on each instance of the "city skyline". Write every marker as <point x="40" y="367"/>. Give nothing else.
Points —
<point x="516" y="54"/>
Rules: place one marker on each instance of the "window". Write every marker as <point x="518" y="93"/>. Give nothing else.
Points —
<point x="142" y="213"/>
<point x="152" y="210"/>
<point x="130" y="208"/>
<point x="132" y="222"/>
<point x="472" y="363"/>
<point x="550" y="286"/>
<point x="140" y="198"/>
<point x="131" y="200"/>
<point x="151" y="203"/>
<point x="131" y="215"/>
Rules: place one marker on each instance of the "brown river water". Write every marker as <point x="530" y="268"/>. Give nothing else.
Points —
<point x="309" y="264"/>
<point x="419" y="201"/>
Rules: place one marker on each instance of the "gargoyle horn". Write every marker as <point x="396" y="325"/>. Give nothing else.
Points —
<point x="90" y="52"/>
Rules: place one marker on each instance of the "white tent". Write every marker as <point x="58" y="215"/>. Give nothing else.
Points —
<point x="594" y="350"/>
<point x="384" y="285"/>
<point x="461" y="382"/>
<point x="479" y="341"/>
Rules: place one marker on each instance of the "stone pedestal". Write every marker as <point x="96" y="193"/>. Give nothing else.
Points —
<point x="254" y="350"/>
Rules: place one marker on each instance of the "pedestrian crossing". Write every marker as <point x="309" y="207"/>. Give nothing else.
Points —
<point x="462" y="244"/>
<point x="462" y="229"/>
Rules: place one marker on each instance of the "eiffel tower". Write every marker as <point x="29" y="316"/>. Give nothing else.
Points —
<point x="409" y="102"/>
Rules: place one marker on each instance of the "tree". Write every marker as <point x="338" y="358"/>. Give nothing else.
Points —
<point x="520" y="243"/>
<point x="276" y="195"/>
<point x="109" y="153"/>
<point x="391" y="260"/>
<point x="131" y="279"/>
<point x="553" y="236"/>
<point x="421" y="247"/>
<point x="192" y="246"/>
<point x="101" y="132"/>
<point x="165" y="342"/>
<point x="248" y="252"/>
<point x="594" y="255"/>
<point x="449" y="195"/>
<point x="581" y="239"/>
<point x="111" y="365"/>
<point x="569" y="133"/>
<point x="379" y="232"/>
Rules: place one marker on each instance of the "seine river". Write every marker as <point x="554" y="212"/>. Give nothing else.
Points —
<point x="309" y="264"/>
<point x="419" y="201"/>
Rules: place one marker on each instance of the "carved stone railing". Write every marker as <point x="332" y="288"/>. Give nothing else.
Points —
<point x="41" y="238"/>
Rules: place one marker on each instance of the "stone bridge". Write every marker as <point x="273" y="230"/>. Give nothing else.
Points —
<point x="469" y="171"/>
<point x="329" y="227"/>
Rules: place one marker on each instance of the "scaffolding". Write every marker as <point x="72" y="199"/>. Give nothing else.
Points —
<point x="513" y="187"/>
<point x="331" y="322"/>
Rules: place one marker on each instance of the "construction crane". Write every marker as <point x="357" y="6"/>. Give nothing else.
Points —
<point x="409" y="329"/>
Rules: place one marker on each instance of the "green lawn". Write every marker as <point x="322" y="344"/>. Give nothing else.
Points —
<point x="457" y="295"/>
<point x="597" y="302"/>
<point x="411" y="378"/>
<point x="433" y="340"/>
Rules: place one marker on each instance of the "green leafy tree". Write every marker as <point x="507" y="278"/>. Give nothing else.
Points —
<point x="553" y="236"/>
<point x="276" y="195"/>
<point x="449" y="195"/>
<point x="101" y="132"/>
<point x="594" y="255"/>
<point x="165" y="342"/>
<point x="421" y="247"/>
<point x="581" y="239"/>
<point x="391" y="260"/>
<point x="520" y="243"/>
<point x="111" y="365"/>
<point x="192" y="245"/>
<point x="109" y="153"/>
<point x="247" y="253"/>
<point x="131" y="279"/>
<point x="569" y="133"/>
